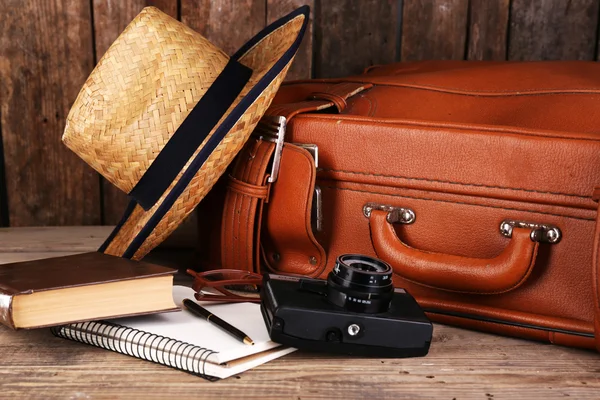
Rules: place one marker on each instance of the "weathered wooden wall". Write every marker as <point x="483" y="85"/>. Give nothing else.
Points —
<point x="48" y="47"/>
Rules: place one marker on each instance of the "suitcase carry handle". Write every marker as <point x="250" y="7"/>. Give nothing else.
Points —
<point x="500" y="274"/>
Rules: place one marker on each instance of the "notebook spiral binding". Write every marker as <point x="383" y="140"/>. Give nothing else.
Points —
<point x="139" y="344"/>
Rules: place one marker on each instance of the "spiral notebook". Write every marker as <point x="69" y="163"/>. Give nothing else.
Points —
<point x="184" y="341"/>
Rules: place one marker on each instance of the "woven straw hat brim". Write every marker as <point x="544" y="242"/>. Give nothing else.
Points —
<point x="269" y="55"/>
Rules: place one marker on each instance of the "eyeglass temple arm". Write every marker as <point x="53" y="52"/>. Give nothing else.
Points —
<point x="191" y="272"/>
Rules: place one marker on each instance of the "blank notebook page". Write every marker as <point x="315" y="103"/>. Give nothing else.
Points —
<point x="186" y="327"/>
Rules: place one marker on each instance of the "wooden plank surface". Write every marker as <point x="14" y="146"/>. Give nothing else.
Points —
<point x="74" y="239"/>
<point x="227" y="23"/>
<point x="488" y="27"/>
<point x="302" y="66"/>
<point x="45" y="56"/>
<point x="7" y="258"/>
<point x="110" y="18"/>
<point x="31" y="243"/>
<point x="553" y="30"/>
<point x="49" y="239"/>
<point x="434" y="29"/>
<point x="461" y="364"/>
<point x="352" y="35"/>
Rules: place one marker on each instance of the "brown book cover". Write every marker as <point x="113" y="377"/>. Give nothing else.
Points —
<point x="87" y="270"/>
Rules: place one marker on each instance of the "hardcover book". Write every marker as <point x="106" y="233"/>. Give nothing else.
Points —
<point x="81" y="287"/>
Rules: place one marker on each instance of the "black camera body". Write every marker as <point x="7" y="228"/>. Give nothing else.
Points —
<point x="356" y="311"/>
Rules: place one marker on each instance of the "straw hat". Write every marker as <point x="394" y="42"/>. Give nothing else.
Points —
<point x="165" y="111"/>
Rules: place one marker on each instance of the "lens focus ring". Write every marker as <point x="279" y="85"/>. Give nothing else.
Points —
<point x="358" y="270"/>
<point x="360" y="283"/>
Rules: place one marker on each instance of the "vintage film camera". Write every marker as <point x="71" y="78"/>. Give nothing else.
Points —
<point x="356" y="311"/>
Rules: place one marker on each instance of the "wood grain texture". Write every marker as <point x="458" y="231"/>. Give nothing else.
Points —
<point x="6" y="258"/>
<point x="461" y="364"/>
<point x="352" y="35"/>
<point x="49" y="238"/>
<point x="488" y="27"/>
<point x="227" y="23"/>
<point x="435" y="29"/>
<point x="302" y="66"/>
<point x="79" y="238"/>
<point x="553" y="30"/>
<point x="21" y="244"/>
<point x="45" y="56"/>
<point x="110" y="18"/>
<point x="3" y="203"/>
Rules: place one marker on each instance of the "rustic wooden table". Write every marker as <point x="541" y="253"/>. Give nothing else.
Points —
<point x="460" y="365"/>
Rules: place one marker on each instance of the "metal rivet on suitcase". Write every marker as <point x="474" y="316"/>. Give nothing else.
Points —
<point x="395" y="214"/>
<point x="539" y="232"/>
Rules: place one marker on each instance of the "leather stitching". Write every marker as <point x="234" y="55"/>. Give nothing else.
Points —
<point x="526" y="274"/>
<point x="339" y="93"/>
<point x="228" y="257"/>
<point x="451" y="182"/>
<point x="235" y="229"/>
<point x="475" y="92"/>
<point x="249" y="245"/>
<point x="459" y="126"/>
<point x="241" y="247"/>
<point x="251" y="213"/>
<point x="372" y="80"/>
<point x="234" y="238"/>
<point x="458" y="202"/>
<point x="338" y="101"/>
<point x="247" y="189"/>
<point x="237" y="205"/>
<point x="498" y="92"/>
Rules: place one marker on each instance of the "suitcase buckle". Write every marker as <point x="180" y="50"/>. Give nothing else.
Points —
<point x="272" y="129"/>
<point x="395" y="214"/>
<point x="539" y="232"/>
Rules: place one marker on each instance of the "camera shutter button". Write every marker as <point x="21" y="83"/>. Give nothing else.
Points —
<point x="353" y="329"/>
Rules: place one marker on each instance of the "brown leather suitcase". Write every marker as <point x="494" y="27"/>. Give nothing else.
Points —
<point x="477" y="181"/>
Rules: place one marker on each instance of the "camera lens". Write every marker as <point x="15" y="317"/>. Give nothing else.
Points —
<point x="360" y="283"/>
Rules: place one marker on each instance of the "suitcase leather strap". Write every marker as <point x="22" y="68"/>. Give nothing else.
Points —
<point x="596" y="270"/>
<point x="248" y="189"/>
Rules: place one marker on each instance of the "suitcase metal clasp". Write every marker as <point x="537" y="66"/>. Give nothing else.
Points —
<point x="272" y="129"/>
<point x="539" y="232"/>
<point x="395" y="214"/>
